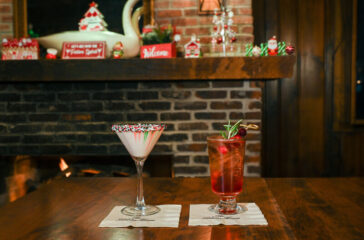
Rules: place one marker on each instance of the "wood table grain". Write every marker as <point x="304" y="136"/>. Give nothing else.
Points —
<point x="295" y="209"/>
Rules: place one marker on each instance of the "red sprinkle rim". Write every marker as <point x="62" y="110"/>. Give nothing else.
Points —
<point x="137" y="127"/>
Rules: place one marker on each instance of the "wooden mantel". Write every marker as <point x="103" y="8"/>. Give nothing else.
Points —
<point x="148" y="69"/>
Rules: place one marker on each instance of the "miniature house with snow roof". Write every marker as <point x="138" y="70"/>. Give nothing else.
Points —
<point x="192" y="48"/>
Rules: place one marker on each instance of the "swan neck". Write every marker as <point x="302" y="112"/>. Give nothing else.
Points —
<point x="127" y="24"/>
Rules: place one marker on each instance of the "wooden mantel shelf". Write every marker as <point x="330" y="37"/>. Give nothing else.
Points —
<point x="148" y="69"/>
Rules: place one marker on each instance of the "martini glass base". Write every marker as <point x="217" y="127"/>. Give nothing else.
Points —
<point x="144" y="211"/>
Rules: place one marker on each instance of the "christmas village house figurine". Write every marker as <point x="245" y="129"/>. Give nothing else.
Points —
<point x="193" y="48"/>
<point x="22" y="49"/>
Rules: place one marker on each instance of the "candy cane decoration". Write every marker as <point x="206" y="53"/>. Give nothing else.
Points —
<point x="282" y="49"/>
<point x="249" y="50"/>
<point x="264" y="49"/>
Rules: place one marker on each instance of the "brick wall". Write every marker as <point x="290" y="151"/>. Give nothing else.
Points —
<point x="75" y="118"/>
<point x="6" y="19"/>
<point x="184" y="15"/>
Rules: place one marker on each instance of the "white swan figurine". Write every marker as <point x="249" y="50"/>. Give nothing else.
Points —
<point x="130" y="40"/>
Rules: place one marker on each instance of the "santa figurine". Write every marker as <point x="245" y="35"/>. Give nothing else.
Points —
<point x="272" y="46"/>
<point x="118" y="52"/>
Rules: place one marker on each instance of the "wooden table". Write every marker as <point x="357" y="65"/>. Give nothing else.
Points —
<point x="295" y="209"/>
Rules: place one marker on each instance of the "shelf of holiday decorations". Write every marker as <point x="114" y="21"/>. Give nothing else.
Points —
<point x="135" y="69"/>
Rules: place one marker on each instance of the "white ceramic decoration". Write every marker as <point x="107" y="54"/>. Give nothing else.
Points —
<point x="130" y="40"/>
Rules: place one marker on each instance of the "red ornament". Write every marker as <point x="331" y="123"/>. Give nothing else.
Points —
<point x="225" y="26"/>
<point x="233" y="39"/>
<point x="215" y="28"/>
<point x="219" y="40"/>
<point x="290" y="50"/>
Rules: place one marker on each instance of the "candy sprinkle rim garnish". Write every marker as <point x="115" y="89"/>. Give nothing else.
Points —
<point x="137" y="127"/>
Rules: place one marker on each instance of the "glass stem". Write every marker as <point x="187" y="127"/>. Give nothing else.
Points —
<point x="228" y="203"/>
<point x="140" y="204"/>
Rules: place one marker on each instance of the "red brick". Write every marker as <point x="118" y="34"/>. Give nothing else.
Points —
<point x="7" y="19"/>
<point x="251" y="169"/>
<point x="236" y="116"/>
<point x="197" y="31"/>
<point x="254" y="147"/>
<point x="253" y="136"/>
<point x="234" y="28"/>
<point x="205" y="39"/>
<point x="245" y="39"/>
<point x="205" y="20"/>
<point x="195" y="147"/>
<point x="161" y="4"/>
<point x="201" y="136"/>
<point x="5" y="9"/>
<point x="243" y="11"/>
<point x="243" y="19"/>
<point x="5" y="27"/>
<point x="190" y="12"/>
<point x="255" y="105"/>
<point x="76" y="117"/>
<point x="193" y="126"/>
<point x="184" y="21"/>
<point x="169" y="13"/>
<point x="190" y="170"/>
<point x="253" y="115"/>
<point x="250" y="159"/>
<point x="254" y="94"/>
<point x="247" y="29"/>
<point x="164" y="22"/>
<point x="257" y="84"/>
<point x="184" y="3"/>
<point x="226" y="105"/>
<point x="239" y="2"/>
<point x="6" y="35"/>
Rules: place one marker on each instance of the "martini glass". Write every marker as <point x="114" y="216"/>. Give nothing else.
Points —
<point x="139" y="140"/>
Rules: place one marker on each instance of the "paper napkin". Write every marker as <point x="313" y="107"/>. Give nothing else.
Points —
<point x="167" y="217"/>
<point x="200" y="215"/>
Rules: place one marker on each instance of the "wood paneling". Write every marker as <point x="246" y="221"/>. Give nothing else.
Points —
<point x="306" y="116"/>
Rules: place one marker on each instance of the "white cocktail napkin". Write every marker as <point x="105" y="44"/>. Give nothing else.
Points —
<point x="200" y="215"/>
<point x="167" y="217"/>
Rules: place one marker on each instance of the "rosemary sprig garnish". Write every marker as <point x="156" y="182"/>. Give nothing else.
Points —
<point x="231" y="130"/>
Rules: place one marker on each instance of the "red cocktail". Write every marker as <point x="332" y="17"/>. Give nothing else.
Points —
<point x="226" y="158"/>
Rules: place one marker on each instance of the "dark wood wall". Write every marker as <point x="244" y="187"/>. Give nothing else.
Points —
<point x="306" y="122"/>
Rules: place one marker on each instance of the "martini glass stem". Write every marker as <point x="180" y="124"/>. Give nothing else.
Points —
<point x="140" y="204"/>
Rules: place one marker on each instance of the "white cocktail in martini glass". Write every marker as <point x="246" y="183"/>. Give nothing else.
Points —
<point x="139" y="140"/>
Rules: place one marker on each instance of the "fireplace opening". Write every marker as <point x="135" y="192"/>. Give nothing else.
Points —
<point x="23" y="174"/>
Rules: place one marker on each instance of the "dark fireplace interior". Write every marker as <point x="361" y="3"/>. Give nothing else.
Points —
<point x="23" y="174"/>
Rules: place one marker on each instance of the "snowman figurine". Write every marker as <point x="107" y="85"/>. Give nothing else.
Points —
<point x="272" y="46"/>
